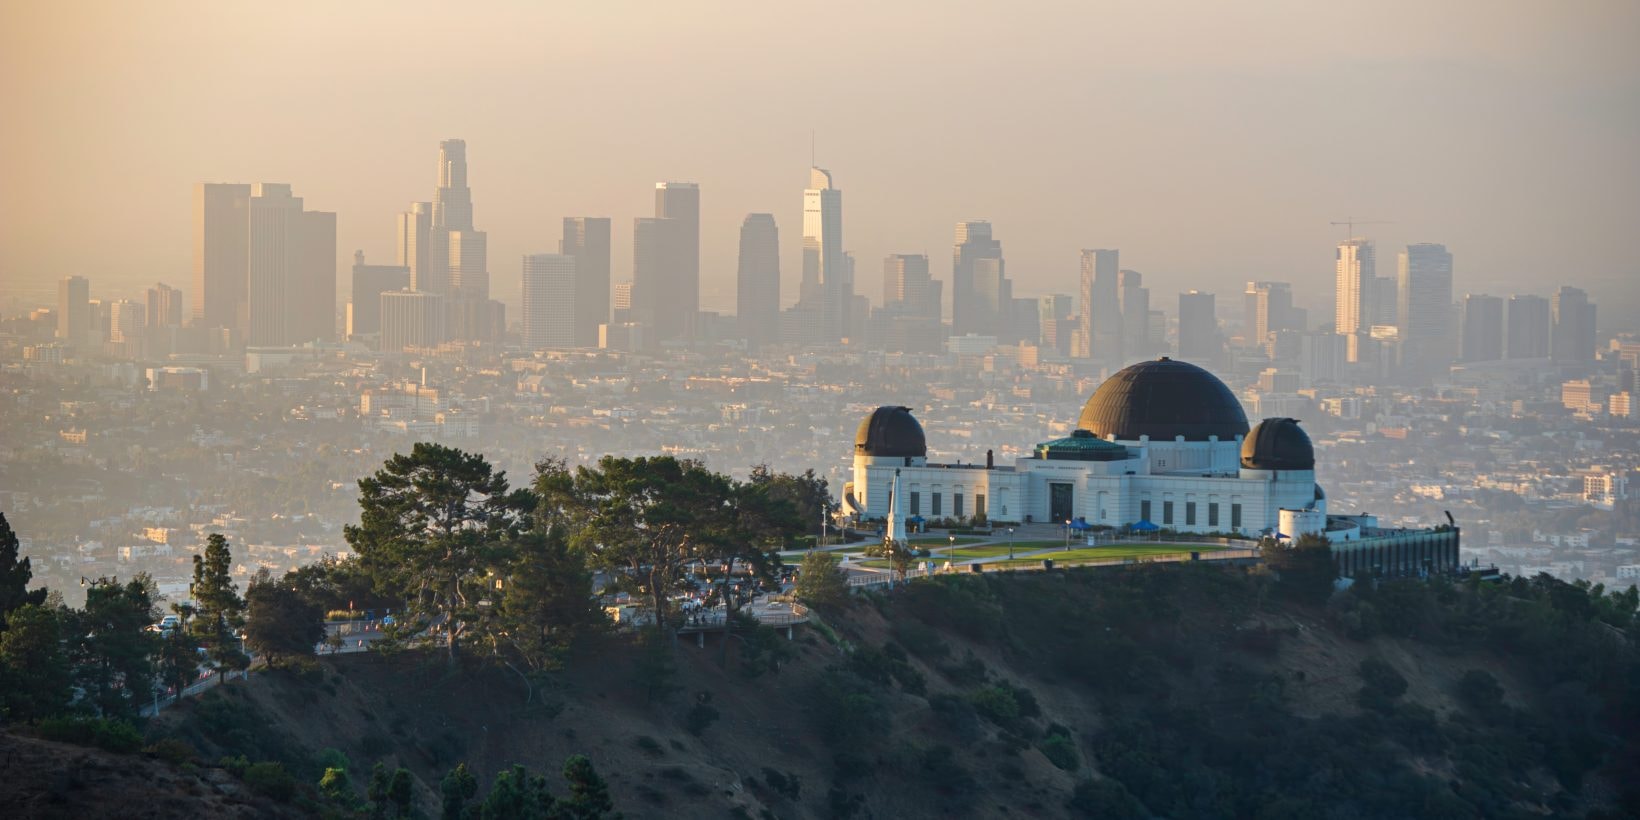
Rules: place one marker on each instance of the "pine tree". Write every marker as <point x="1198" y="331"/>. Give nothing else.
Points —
<point x="34" y="675"/>
<point x="110" y="647"/>
<point x="457" y="788"/>
<point x="219" y="610"/>
<point x="280" y="622"/>
<point x="15" y="574"/>
<point x="819" y="581"/>
<point x="588" y="793"/>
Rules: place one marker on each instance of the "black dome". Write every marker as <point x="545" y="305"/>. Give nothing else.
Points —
<point x="1163" y="399"/>
<point x="891" y="432"/>
<point x="1278" y="444"/>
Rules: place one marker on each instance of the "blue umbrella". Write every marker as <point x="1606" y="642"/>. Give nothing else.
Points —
<point x="1079" y="524"/>
<point x="1144" y="526"/>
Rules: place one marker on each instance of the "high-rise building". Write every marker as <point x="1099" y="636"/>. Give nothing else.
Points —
<point x="909" y="288"/>
<point x="1198" y="328"/>
<point x="412" y="320"/>
<point x="1102" y="304"/>
<point x="1385" y="301"/>
<point x="1055" y="318"/>
<point x="74" y="310"/>
<point x="127" y="323"/>
<point x="757" y="281"/>
<point x="164" y="306"/>
<point x="1352" y="293"/>
<point x="656" y="303"/>
<point x="680" y="203"/>
<point x="221" y="254"/>
<point x="1268" y="309"/>
<point x="972" y="313"/>
<point x="1528" y="328"/>
<point x="1482" y="328"/>
<point x="1573" y="336"/>
<point x="1136" y="339"/>
<point x="828" y="279"/>
<point x="550" y="283"/>
<point x="587" y="238"/>
<point x="1424" y="290"/>
<point x="364" y="309"/>
<point x="290" y="293"/>
<point x="457" y="258"/>
<point x="414" y="248"/>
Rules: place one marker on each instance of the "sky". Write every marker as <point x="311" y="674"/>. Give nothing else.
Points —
<point x="1211" y="142"/>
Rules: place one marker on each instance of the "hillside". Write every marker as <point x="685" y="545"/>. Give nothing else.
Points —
<point x="1168" y="691"/>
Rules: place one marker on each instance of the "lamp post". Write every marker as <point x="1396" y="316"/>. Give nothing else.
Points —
<point x="1010" y="543"/>
<point x="950" y="546"/>
<point x="1067" y="535"/>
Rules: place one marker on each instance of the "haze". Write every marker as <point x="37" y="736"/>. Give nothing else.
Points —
<point x="1211" y="142"/>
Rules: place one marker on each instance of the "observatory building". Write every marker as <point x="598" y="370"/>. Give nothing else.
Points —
<point x="1160" y="444"/>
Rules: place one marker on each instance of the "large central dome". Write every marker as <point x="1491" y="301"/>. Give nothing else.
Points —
<point x="891" y="432"/>
<point x="1163" y="399"/>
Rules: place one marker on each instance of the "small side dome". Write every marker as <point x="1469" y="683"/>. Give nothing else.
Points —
<point x="1277" y="444"/>
<point x="891" y="432"/>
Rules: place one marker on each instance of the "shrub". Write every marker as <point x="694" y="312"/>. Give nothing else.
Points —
<point x="996" y="704"/>
<point x="788" y="786"/>
<point x="170" y="750"/>
<point x="650" y="745"/>
<point x="1061" y="751"/>
<point x="269" y="779"/>
<point x="111" y="735"/>
<point x="701" y="715"/>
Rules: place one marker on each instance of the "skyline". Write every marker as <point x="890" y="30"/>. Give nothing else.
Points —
<point x="1230" y="151"/>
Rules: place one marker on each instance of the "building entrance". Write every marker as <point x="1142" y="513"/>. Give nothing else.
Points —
<point x="1061" y="498"/>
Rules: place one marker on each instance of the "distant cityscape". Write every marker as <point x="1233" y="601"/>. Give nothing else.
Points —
<point x="251" y="400"/>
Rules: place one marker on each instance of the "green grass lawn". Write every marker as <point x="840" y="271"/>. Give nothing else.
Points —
<point x="929" y="540"/>
<point x="1110" y="552"/>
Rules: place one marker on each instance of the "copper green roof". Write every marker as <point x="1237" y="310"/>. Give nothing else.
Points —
<point x="1081" y="446"/>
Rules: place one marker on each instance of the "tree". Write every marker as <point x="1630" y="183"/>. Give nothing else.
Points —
<point x="280" y="621"/>
<point x="547" y="601"/>
<point x="752" y="524"/>
<point x="808" y="494"/>
<point x="335" y="785"/>
<point x="516" y="795"/>
<point x="178" y="661"/>
<point x="110" y="647"/>
<point x="588" y="793"/>
<point x="642" y="518"/>
<point x="1381" y="685"/>
<point x="456" y="789"/>
<point x="402" y="791"/>
<point x="819" y="581"/>
<point x="34" y="675"/>
<point x="429" y="527"/>
<point x="218" y="609"/>
<point x="15" y="574"/>
<point x="1305" y="567"/>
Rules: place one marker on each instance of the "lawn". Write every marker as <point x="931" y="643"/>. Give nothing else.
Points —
<point x="1110" y="552"/>
<point x="930" y="540"/>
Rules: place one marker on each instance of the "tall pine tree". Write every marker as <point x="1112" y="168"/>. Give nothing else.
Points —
<point x="15" y="573"/>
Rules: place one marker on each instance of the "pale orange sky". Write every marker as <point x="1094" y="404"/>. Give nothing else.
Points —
<point x="1212" y="142"/>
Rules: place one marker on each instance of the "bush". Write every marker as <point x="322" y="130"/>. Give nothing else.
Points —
<point x="701" y="715"/>
<point x="111" y="735"/>
<point x="1478" y="690"/>
<point x="270" y="780"/>
<point x="650" y="746"/>
<point x="1060" y="750"/>
<point x="170" y="750"/>
<point x="788" y="786"/>
<point x="1382" y="685"/>
<point x="997" y="704"/>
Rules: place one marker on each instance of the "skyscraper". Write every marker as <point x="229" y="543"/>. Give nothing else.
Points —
<point x="827" y="276"/>
<point x="412" y="320"/>
<point x="680" y="202"/>
<point x="221" y="254"/>
<point x="1482" y="328"/>
<point x="1572" y="339"/>
<point x="970" y="311"/>
<point x="757" y="281"/>
<point x="1136" y="338"/>
<point x="909" y="287"/>
<point x="290" y="281"/>
<point x="1054" y="318"/>
<point x="364" y="309"/>
<point x="1529" y="327"/>
<point x="1102" y="304"/>
<point x="587" y="238"/>
<point x="127" y="324"/>
<point x="457" y="259"/>
<point x="74" y="310"/>
<point x="414" y="248"/>
<point x="550" y="283"/>
<point x="656" y="303"/>
<point x="164" y="306"/>
<point x="1198" y="328"/>
<point x="1352" y="293"/>
<point x="1269" y="309"/>
<point x="1424" y="288"/>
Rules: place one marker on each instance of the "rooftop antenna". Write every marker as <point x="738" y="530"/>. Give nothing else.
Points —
<point x="1350" y="222"/>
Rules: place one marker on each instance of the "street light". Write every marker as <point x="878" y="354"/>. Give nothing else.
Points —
<point x="950" y="545"/>
<point x="1010" y="543"/>
<point x="1067" y="535"/>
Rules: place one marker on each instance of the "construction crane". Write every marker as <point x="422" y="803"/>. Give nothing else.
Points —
<point x="1350" y="222"/>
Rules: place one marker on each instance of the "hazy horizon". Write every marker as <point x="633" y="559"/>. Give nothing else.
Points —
<point x="1211" y="144"/>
